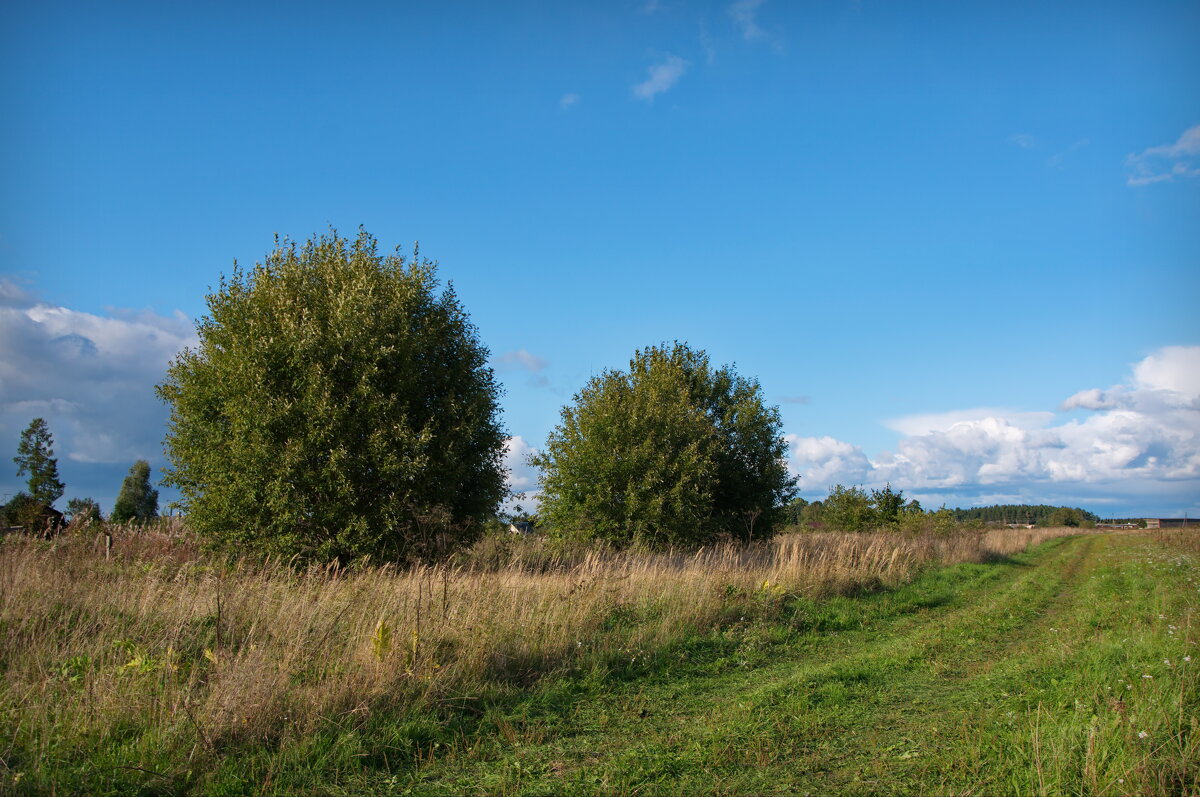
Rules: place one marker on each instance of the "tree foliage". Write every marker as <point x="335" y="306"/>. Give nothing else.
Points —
<point x="83" y="512"/>
<point x="671" y="451"/>
<point x="337" y="405"/>
<point x="849" y="509"/>
<point x="137" y="499"/>
<point x="887" y="505"/>
<point x="1067" y="516"/>
<point x="854" y="509"/>
<point x="1039" y="514"/>
<point x="35" y="457"/>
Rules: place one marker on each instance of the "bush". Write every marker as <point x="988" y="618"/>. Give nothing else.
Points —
<point x="337" y="406"/>
<point x="29" y="513"/>
<point x="670" y="452"/>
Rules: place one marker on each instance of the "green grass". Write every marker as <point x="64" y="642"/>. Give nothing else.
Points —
<point x="1024" y="675"/>
<point x="981" y="679"/>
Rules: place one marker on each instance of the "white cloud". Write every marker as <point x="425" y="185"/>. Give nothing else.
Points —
<point x="1174" y="368"/>
<point x="660" y="77"/>
<point x="745" y="16"/>
<point x="1091" y="399"/>
<point x="568" y="100"/>
<point x="945" y="421"/>
<point x="1166" y="162"/>
<point x="1139" y="443"/>
<point x="521" y="475"/>
<point x="1023" y="140"/>
<point x="823" y="461"/>
<point x="522" y="360"/>
<point x="91" y="377"/>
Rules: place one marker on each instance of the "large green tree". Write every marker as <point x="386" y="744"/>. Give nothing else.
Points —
<point x="137" y="499"/>
<point x="339" y="404"/>
<point x="671" y="451"/>
<point x="35" y="457"/>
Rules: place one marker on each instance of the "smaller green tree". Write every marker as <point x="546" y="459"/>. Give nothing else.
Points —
<point x="943" y="521"/>
<point x="137" y="499"/>
<point x="793" y="511"/>
<point x="1071" y="517"/>
<point x="849" y="509"/>
<point x="35" y="456"/>
<point x="672" y="451"/>
<point x="887" y="505"/>
<point x="83" y="512"/>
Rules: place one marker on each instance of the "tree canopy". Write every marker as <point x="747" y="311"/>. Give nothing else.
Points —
<point x="1040" y="514"/>
<point x="670" y="451"/>
<point x="83" y="512"/>
<point x="338" y="404"/>
<point x="137" y="499"/>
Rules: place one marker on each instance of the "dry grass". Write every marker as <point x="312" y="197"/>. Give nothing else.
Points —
<point x="163" y="642"/>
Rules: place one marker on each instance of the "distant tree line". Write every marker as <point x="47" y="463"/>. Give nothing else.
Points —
<point x="856" y="509"/>
<point x="1036" y="514"/>
<point x="33" y="509"/>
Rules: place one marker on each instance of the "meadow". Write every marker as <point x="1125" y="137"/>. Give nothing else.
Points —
<point x="1010" y="661"/>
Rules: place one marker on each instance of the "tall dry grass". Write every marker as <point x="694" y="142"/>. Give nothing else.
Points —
<point x="157" y="640"/>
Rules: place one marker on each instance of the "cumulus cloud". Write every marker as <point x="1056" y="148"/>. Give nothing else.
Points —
<point x="1173" y="368"/>
<point x="521" y="475"/>
<point x="1166" y="162"/>
<point x="944" y="421"/>
<point x="91" y="377"/>
<point x="822" y="461"/>
<point x="660" y="77"/>
<point x="1140" y="441"/>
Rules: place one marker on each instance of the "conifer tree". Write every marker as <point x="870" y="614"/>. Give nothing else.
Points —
<point x="35" y="456"/>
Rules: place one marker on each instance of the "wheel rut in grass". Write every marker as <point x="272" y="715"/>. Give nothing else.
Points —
<point x="846" y="710"/>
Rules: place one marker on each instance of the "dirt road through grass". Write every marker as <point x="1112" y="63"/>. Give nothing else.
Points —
<point x="1068" y="669"/>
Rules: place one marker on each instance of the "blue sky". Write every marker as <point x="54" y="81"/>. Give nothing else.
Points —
<point x="926" y="228"/>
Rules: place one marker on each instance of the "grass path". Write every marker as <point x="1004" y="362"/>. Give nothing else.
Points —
<point x="1019" y="676"/>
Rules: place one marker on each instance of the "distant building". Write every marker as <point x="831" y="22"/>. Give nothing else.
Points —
<point x="1171" y="522"/>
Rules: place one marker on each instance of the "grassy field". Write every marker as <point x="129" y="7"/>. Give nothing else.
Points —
<point x="970" y="664"/>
